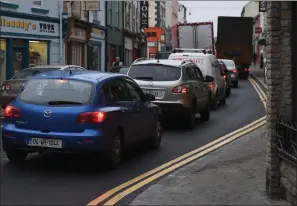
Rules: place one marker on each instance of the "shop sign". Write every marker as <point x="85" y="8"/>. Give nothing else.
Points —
<point x="98" y="33"/>
<point x="153" y="50"/>
<point x="258" y="30"/>
<point x="144" y="20"/>
<point x="92" y="5"/>
<point x="78" y="33"/>
<point x="21" y="26"/>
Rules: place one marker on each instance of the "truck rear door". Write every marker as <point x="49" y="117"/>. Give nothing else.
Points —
<point x="186" y="36"/>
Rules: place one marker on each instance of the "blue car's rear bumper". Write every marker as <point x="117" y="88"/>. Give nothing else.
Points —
<point x="88" y="141"/>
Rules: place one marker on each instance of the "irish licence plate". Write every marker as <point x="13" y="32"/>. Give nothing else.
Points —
<point x="49" y="143"/>
<point x="156" y="93"/>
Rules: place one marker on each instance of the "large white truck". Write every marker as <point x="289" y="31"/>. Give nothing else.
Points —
<point x="196" y="36"/>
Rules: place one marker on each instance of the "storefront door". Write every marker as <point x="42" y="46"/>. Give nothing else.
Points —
<point x="18" y="59"/>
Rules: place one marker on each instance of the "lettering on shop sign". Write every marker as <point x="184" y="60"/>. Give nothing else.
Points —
<point x="17" y="24"/>
<point x="47" y="28"/>
<point x="144" y="7"/>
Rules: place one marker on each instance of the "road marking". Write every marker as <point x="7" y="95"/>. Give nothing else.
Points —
<point x="111" y="192"/>
<point x="135" y="187"/>
<point x="259" y="87"/>
<point x="262" y="95"/>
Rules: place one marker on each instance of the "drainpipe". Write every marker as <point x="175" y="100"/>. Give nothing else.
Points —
<point x="61" y="31"/>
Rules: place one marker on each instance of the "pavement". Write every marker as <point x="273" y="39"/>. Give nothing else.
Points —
<point x="258" y="75"/>
<point x="71" y="180"/>
<point x="232" y="175"/>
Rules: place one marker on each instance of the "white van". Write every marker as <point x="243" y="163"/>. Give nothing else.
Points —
<point x="209" y="65"/>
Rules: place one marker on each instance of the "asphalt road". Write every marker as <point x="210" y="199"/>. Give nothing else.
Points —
<point x="69" y="180"/>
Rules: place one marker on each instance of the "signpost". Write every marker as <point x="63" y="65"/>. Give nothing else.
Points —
<point x="262" y="6"/>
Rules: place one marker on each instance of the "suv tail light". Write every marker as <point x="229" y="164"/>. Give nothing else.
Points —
<point x="235" y="70"/>
<point x="225" y="76"/>
<point x="181" y="89"/>
<point x="247" y="69"/>
<point x="5" y="87"/>
<point x="91" y="117"/>
<point x="212" y="86"/>
<point x="12" y="112"/>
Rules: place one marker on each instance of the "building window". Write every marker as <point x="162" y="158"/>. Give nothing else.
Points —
<point x="128" y="16"/>
<point x="109" y="18"/>
<point x="37" y="3"/>
<point x="117" y="14"/>
<point x="38" y="53"/>
<point x="95" y="15"/>
<point x="133" y="18"/>
<point x="151" y="34"/>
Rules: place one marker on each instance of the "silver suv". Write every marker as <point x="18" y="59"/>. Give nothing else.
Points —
<point x="178" y="86"/>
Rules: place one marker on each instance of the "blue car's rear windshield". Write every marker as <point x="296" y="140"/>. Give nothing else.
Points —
<point x="57" y="92"/>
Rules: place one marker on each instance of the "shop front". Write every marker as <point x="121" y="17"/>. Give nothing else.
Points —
<point x="76" y="44"/>
<point x="97" y="49"/>
<point x="25" y="43"/>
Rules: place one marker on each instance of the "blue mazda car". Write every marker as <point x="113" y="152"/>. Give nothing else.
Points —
<point x="80" y="112"/>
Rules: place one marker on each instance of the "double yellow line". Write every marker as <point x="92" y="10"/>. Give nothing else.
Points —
<point x="116" y="194"/>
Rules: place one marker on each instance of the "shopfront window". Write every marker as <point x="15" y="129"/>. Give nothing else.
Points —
<point x="38" y="53"/>
<point x="2" y="60"/>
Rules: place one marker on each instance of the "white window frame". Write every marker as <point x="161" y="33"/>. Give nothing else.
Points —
<point x="41" y="3"/>
<point x="109" y="18"/>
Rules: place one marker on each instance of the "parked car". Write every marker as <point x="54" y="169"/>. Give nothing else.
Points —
<point x="124" y="70"/>
<point x="227" y="77"/>
<point x="12" y="87"/>
<point x="162" y="55"/>
<point x="120" y="69"/>
<point x="85" y="112"/>
<point x="230" y="64"/>
<point x="179" y="87"/>
<point x="209" y="66"/>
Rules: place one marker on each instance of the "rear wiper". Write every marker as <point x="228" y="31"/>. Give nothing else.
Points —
<point x="144" y="78"/>
<point x="63" y="102"/>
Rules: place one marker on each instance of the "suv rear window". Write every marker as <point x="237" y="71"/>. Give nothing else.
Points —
<point x="57" y="92"/>
<point x="153" y="72"/>
<point x="26" y="73"/>
<point x="229" y="63"/>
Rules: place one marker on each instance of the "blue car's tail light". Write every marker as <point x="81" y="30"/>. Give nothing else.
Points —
<point x="12" y="112"/>
<point x="91" y="117"/>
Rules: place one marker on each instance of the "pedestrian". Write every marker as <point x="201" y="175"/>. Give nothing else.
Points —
<point x="261" y="61"/>
<point x="116" y="63"/>
<point x="254" y="58"/>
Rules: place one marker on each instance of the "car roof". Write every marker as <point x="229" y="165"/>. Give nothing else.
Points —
<point x="190" y="53"/>
<point x="160" y="61"/>
<point x="91" y="76"/>
<point x="55" y="66"/>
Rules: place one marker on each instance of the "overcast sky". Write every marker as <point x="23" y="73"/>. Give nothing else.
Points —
<point x="210" y="10"/>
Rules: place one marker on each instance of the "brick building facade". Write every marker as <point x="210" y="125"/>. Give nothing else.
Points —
<point x="281" y="178"/>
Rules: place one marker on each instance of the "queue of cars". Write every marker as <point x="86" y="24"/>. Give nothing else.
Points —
<point x="74" y="110"/>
